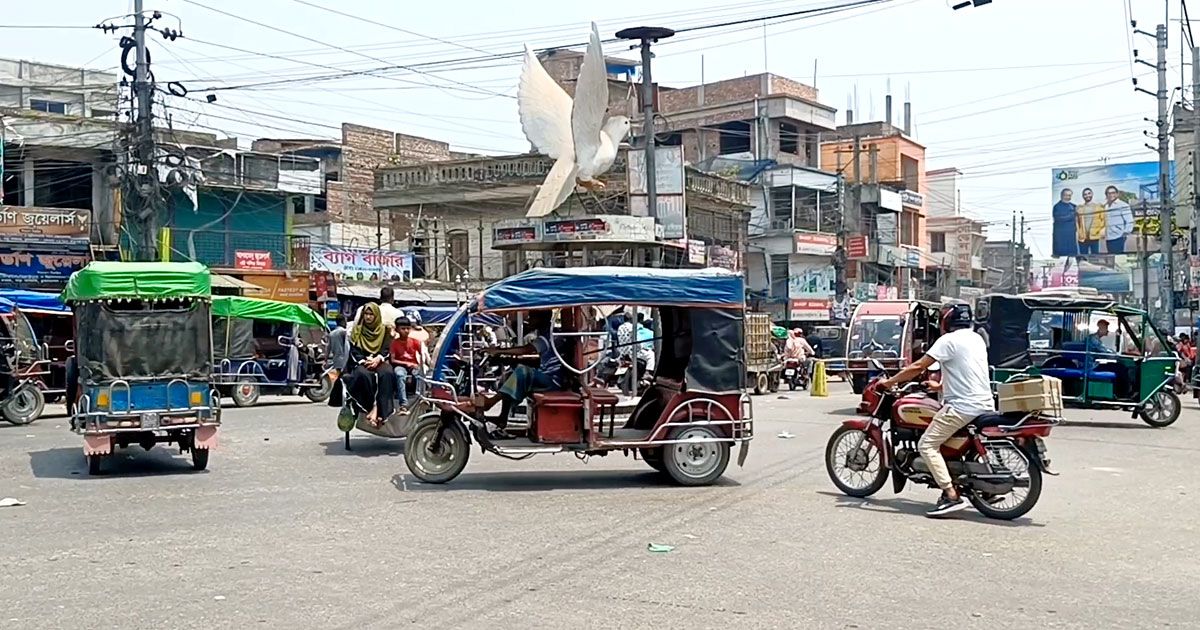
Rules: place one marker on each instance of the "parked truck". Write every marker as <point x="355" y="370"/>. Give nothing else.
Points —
<point x="763" y="363"/>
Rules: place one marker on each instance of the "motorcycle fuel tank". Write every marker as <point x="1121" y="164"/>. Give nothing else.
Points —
<point x="916" y="412"/>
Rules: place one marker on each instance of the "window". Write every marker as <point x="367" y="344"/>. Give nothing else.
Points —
<point x="735" y="137"/>
<point x="50" y="107"/>
<point x="459" y="245"/>
<point x="781" y="208"/>
<point x="911" y="173"/>
<point x="908" y="228"/>
<point x="61" y="184"/>
<point x="789" y="138"/>
<point x="937" y="242"/>
<point x="779" y="276"/>
<point x="673" y="139"/>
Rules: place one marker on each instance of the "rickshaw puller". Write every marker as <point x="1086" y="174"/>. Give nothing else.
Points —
<point x="524" y="379"/>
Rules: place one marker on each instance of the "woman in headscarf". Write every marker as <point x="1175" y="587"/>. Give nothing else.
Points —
<point x="368" y="378"/>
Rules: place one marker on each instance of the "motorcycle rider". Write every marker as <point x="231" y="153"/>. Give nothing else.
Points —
<point x="798" y="349"/>
<point x="966" y="394"/>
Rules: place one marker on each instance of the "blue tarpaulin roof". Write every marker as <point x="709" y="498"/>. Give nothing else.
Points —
<point x="552" y="288"/>
<point x="33" y="301"/>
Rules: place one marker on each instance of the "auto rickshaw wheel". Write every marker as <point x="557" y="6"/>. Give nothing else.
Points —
<point x="434" y="460"/>
<point x="25" y="406"/>
<point x="93" y="462"/>
<point x="199" y="458"/>
<point x="1162" y="410"/>
<point x="320" y="393"/>
<point x="761" y="384"/>
<point x="695" y="463"/>
<point x="653" y="458"/>
<point x="245" y="393"/>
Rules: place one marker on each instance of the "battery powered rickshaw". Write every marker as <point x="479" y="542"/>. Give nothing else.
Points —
<point x="684" y="425"/>
<point x="893" y="332"/>
<point x="1108" y="356"/>
<point x="23" y="367"/>
<point x="51" y="324"/>
<point x="143" y="341"/>
<point x="267" y="347"/>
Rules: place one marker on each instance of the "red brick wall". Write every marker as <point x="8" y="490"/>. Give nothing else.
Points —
<point x="363" y="150"/>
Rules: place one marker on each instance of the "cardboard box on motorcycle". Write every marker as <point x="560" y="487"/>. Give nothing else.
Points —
<point x="1041" y="393"/>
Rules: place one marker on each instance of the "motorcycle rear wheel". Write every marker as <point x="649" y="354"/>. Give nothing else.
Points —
<point x="872" y="481"/>
<point x="1009" y="513"/>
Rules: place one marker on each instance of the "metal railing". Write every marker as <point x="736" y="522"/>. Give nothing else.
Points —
<point x="219" y="248"/>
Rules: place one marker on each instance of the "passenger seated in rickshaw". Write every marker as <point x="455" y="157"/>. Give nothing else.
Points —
<point x="369" y="380"/>
<point x="524" y="380"/>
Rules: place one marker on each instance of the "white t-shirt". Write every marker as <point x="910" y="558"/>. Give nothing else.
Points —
<point x="966" y="387"/>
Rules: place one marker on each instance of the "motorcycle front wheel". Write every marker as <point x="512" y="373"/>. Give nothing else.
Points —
<point x="854" y="462"/>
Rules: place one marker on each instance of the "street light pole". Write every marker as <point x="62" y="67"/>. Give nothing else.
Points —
<point x="648" y="35"/>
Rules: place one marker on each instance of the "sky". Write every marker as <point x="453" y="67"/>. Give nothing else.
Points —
<point x="1004" y="92"/>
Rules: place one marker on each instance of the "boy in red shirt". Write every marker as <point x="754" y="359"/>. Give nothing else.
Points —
<point x="405" y="354"/>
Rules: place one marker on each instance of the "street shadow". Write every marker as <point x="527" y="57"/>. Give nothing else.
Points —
<point x="848" y="411"/>
<point x="908" y="507"/>
<point x="1106" y="424"/>
<point x="70" y="463"/>
<point x="366" y="445"/>
<point x="545" y="481"/>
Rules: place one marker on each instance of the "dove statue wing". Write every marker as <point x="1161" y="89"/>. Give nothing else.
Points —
<point x="590" y="104"/>
<point x="545" y="110"/>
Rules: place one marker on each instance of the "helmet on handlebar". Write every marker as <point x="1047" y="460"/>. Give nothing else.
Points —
<point x="956" y="316"/>
<point x="414" y="316"/>
<point x="779" y="332"/>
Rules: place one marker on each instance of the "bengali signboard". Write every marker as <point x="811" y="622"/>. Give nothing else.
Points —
<point x="811" y="281"/>
<point x="857" y="247"/>
<point x="356" y="263"/>
<point x="516" y="232"/>
<point x="257" y="260"/>
<point x="724" y="258"/>
<point x="1101" y="210"/>
<point x="44" y="222"/>
<point x="814" y="243"/>
<point x="809" y="310"/>
<point x="40" y="264"/>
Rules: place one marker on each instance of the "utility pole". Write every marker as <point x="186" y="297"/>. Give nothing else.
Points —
<point x="147" y="192"/>
<point x="1023" y="279"/>
<point x="1194" y="151"/>
<point x="648" y="35"/>
<point x="1166" y="293"/>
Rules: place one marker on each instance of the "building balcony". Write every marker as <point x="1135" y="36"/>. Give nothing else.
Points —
<point x="238" y="249"/>
<point x="513" y="179"/>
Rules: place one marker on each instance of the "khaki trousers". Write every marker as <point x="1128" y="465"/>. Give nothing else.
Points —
<point x="945" y="424"/>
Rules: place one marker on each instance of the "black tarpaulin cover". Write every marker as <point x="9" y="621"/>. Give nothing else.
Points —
<point x="233" y="338"/>
<point x="716" y="363"/>
<point x="114" y="344"/>
<point x="1007" y="326"/>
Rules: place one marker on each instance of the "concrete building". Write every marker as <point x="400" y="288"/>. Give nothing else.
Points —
<point x="1007" y="265"/>
<point x="344" y="212"/>
<point x="955" y="268"/>
<point x="886" y="211"/>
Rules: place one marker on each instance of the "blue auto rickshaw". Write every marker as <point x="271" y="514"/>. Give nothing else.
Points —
<point x="143" y="341"/>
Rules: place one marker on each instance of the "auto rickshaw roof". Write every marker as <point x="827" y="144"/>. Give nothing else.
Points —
<point x="240" y="307"/>
<point x="576" y="286"/>
<point x="1067" y="302"/>
<point x="33" y="301"/>
<point x="105" y="280"/>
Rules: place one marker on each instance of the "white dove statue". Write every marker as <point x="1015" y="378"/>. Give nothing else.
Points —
<point x="573" y="132"/>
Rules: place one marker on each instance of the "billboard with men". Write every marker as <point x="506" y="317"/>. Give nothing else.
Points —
<point x="1099" y="209"/>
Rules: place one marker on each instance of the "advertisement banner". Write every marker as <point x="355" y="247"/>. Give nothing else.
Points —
<point x="814" y="243"/>
<point x="355" y="263"/>
<point x="40" y="264"/>
<point x="280" y="287"/>
<point x="1069" y="273"/>
<point x="811" y="280"/>
<point x="1096" y="209"/>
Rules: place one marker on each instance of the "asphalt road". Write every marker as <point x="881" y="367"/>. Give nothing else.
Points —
<point x="288" y="530"/>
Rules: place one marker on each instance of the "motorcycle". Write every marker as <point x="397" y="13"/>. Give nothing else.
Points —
<point x="997" y="461"/>
<point x="795" y="374"/>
